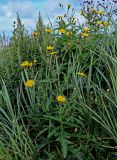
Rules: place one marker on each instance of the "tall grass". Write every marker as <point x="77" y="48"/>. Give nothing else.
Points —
<point x="33" y="123"/>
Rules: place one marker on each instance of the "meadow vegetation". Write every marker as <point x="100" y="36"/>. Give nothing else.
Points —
<point x="58" y="92"/>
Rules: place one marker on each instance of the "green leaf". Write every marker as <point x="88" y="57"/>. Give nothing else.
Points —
<point x="63" y="142"/>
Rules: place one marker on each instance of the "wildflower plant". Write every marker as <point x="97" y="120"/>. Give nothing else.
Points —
<point x="59" y="94"/>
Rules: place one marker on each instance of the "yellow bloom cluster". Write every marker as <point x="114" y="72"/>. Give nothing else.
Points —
<point x="26" y="64"/>
<point x="97" y="12"/>
<point x="86" y="29"/>
<point x="49" y="48"/>
<point x="61" y="99"/>
<point x="85" y="34"/>
<point x="98" y="23"/>
<point x="30" y="83"/>
<point x="106" y="24"/>
<point x="100" y="12"/>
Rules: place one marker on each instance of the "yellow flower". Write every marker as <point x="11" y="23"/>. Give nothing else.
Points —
<point x="85" y="35"/>
<point x="62" y="31"/>
<point x="26" y="64"/>
<point x="105" y="24"/>
<point x="101" y="12"/>
<point x="48" y="30"/>
<point x="98" y="23"/>
<point x="81" y="74"/>
<point x="59" y="17"/>
<point x="86" y="29"/>
<point x="35" y="33"/>
<point x="49" y="48"/>
<point x="61" y="99"/>
<point x="30" y="83"/>
<point x="53" y="53"/>
<point x="69" y="33"/>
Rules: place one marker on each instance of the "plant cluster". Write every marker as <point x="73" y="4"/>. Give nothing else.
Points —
<point x="58" y="93"/>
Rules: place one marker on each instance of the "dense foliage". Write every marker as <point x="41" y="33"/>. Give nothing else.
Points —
<point x="58" y="94"/>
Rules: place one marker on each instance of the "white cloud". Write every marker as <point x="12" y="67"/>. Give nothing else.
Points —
<point x="8" y="10"/>
<point x="52" y="9"/>
<point x="26" y="9"/>
<point x="29" y="12"/>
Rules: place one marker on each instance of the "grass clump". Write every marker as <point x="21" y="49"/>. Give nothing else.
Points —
<point x="58" y="88"/>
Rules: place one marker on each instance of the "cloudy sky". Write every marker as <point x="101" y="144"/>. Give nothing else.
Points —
<point x="28" y="10"/>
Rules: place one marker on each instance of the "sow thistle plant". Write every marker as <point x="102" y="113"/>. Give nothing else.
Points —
<point x="62" y="103"/>
<point x="95" y="14"/>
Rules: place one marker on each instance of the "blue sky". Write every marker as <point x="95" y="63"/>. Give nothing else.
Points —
<point x="28" y="10"/>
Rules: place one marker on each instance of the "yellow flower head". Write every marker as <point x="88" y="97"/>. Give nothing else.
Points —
<point x="106" y="24"/>
<point x="98" y="23"/>
<point x="53" y="53"/>
<point x="26" y="64"/>
<point x="61" y="99"/>
<point x="101" y="12"/>
<point x="86" y="29"/>
<point x="30" y="83"/>
<point x="48" y="30"/>
<point x="49" y="48"/>
<point x="35" y="33"/>
<point x="85" y="35"/>
<point x="81" y="74"/>
<point x="62" y="31"/>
